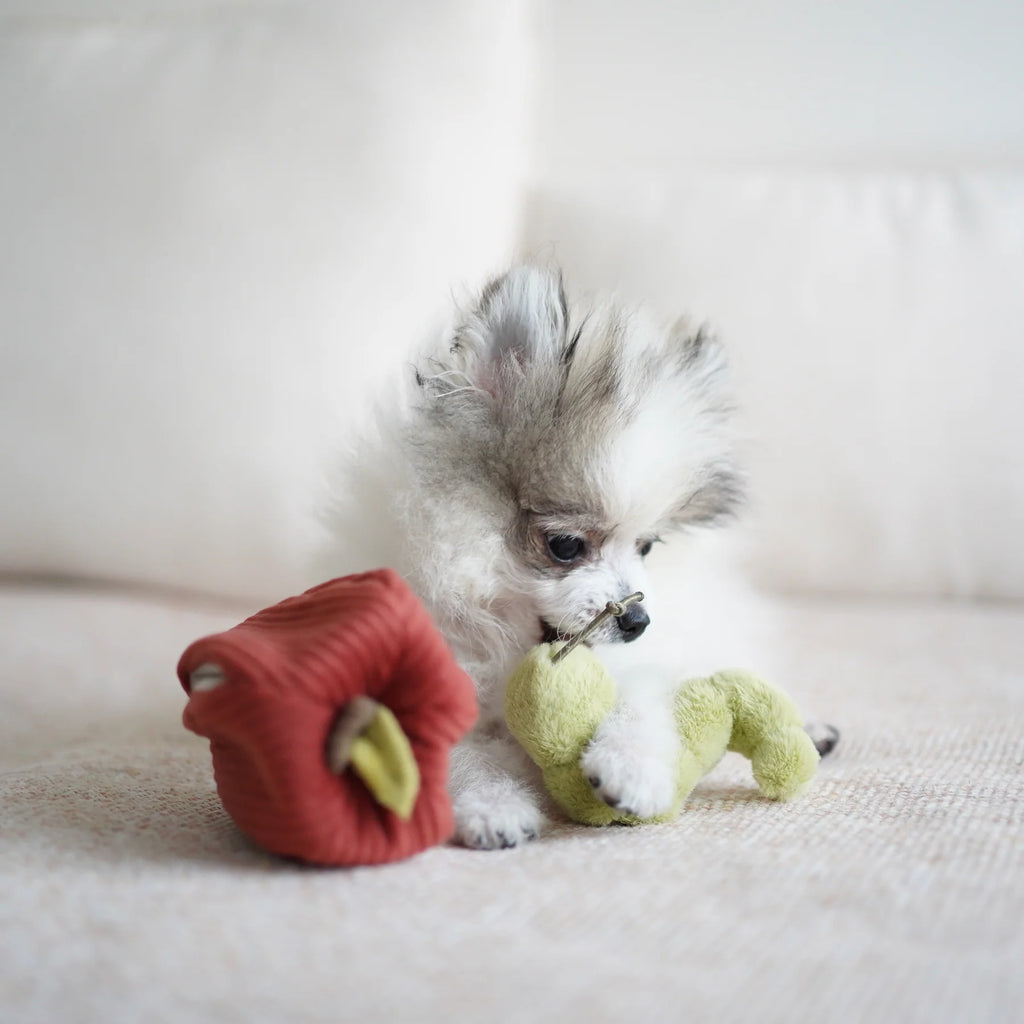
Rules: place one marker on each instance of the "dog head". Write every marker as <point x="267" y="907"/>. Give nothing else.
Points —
<point x="602" y="432"/>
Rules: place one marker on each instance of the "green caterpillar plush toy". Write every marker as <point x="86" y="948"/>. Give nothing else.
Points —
<point x="555" y="701"/>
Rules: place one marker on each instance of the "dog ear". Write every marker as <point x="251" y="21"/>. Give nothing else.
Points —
<point x="520" y="320"/>
<point x="698" y="358"/>
<point x="717" y="498"/>
<point x="696" y="348"/>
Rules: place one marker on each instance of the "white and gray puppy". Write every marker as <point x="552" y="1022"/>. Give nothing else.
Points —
<point x="537" y="455"/>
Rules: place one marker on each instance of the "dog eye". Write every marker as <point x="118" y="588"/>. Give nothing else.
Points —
<point x="565" y="548"/>
<point x="645" y="548"/>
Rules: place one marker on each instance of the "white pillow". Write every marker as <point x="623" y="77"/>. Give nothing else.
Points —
<point x="220" y="225"/>
<point x="875" y="322"/>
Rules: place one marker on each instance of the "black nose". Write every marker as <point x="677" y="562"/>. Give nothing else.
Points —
<point x="633" y="622"/>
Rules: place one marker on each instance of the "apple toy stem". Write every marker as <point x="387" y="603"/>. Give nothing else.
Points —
<point x="353" y="721"/>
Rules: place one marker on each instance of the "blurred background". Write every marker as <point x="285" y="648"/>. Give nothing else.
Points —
<point x="224" y="223"/>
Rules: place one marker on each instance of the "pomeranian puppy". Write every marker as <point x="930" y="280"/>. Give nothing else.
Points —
<point x="518" y="483"/>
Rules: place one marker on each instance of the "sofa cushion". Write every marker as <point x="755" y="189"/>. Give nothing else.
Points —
<point x="890" y="891"/>
<point x="873" y="320"/>
<point x="222" y="223"/>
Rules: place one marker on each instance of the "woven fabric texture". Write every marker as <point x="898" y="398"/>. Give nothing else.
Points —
<point x="893" y="890"/>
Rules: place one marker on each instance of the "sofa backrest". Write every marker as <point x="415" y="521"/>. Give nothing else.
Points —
<point x="839" y="188"/>
<point x="223" y="223"/>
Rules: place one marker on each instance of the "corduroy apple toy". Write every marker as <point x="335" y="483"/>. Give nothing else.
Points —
<point x="330" y="718"/>
<point x="560" y="693"/>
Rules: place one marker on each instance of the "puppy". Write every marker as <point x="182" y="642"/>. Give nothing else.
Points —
<point x="537" y="455"/>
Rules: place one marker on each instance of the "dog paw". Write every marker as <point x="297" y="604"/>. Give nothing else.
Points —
<point x="484" y="823"/>
<point x="823" y="736"/>
<point x="630" y="780"/>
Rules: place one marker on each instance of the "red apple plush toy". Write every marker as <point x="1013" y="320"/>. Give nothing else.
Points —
<point x="330" y="718"/>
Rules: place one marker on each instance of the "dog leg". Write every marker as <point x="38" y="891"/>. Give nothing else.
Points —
<point x="495" y="804"/>
<point x="631" y="761"/>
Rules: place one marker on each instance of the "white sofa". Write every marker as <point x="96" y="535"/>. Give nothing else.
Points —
<point x="224" y="224"/>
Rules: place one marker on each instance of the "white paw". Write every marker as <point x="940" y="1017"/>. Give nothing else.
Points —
<point x="634" y="781"/>
<point x="494" y="819"/>
<point x="823" y="736"/>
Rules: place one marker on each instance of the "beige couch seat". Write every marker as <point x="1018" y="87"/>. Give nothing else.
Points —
<point x="892" y="891"/>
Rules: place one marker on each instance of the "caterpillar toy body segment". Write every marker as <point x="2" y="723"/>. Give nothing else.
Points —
<point x="554" y="709"/>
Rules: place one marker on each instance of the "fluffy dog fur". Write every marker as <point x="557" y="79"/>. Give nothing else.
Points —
<point x="518" y="483"/>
